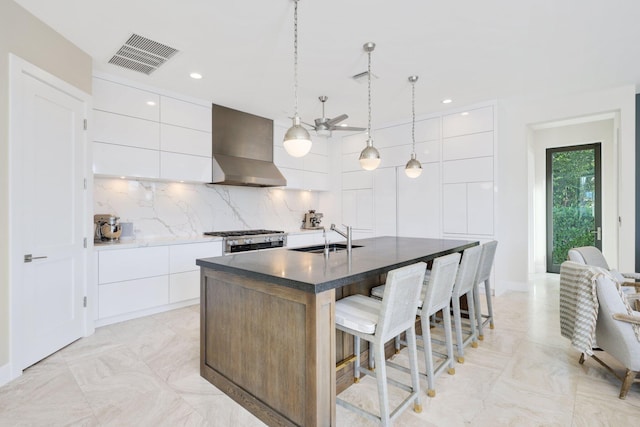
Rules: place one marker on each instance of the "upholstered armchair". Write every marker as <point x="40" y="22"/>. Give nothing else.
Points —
<point x="594" y="312"/>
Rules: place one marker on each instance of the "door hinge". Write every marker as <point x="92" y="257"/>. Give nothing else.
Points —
<point x="84" y="302"/>
<point x="85" y="124"/>
<point x="85" y="243"/>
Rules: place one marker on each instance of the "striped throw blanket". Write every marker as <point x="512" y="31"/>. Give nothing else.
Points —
<point x="578" y="305"/>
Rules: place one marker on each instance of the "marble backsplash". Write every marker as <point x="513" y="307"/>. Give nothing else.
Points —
<point x="169" y="209"/>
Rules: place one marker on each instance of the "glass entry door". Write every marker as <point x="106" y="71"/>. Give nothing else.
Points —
<point x="574" y="209"/>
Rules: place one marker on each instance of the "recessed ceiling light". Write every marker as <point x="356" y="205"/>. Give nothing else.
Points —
<point x="122" y="177"/>
<point x="151" y="103"/>
<point x="447" y="101"/>
<point x="466" y="113"/>
<point x="196" y="76"/>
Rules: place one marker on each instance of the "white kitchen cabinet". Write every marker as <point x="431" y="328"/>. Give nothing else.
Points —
<point x="419" y="202"/>
<point x="454" y="208"/>
<point x="133" y="263"/>
<point x="184" y="167"/>
<point x="120" y="298"/>
<point x="125" y="130"/>
<point x="468" y="146"/>
<point x="182" y="140"/>
<point x="184" y="286"/>
<point x="126" y="100"/>
<point x="468" y="122"/>
<point x="310" y="172"/>
<point x="480" y="208"/>
<point x="357" y="209"/>
<point x="357" y="179"/>
<point x="468" y="170"/>
<point x="120" y="160"/>
<point x="354" y="143"/>
<point x="186" y="114"/>
<point x="183" y="257"/>
<point x="134" y="282"/>
<point x="384" y="201"/>
<point x="316" y="181"/>
<point x="392" y="136"/>
<point x="428" y="130"/>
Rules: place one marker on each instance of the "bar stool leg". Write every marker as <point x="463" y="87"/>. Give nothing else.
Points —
<point x="487" y="290"/>
<point x="478" y="307"/>
<point x="356" y="367"/>
<point x="413" y="364"/>
<point x="383" y="392"/>
<point x="428" y="354"/>
<point x="471" y="308"/>
<point x="458" y="327"/>
<point x="446" y="314"/>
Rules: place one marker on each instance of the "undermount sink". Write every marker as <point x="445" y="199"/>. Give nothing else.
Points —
<point x="318" y="249"/>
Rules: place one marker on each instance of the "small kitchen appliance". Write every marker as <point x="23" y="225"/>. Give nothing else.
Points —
<point x="249" y="240"/>
<point x="106" y="227"/>
<point x="312" y="220"/>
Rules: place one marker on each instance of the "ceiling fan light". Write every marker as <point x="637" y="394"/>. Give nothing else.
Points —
<point x="413" y="169"/>
<point x="297" y="141"/>
<point x="369" y="157"/>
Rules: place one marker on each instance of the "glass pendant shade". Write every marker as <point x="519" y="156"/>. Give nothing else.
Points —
<point x="369" y="157"/>
<point x="413" y="169"/>
<point x="297" y="141"/>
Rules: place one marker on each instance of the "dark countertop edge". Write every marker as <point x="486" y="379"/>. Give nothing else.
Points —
<point x="317" y="288"/>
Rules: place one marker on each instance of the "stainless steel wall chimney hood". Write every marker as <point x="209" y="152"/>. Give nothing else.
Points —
<point x="243" y="149"/>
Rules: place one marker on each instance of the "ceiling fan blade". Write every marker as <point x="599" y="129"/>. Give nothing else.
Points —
<point x="308" y="124"/>
<point x="347" y="128"/>
<point x="338" y="119"/>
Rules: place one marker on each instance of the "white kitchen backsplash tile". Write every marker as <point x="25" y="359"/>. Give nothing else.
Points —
<point x="169" y="209"/>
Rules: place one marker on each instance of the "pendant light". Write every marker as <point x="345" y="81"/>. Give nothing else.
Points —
<point x="413" y="169"/>
<point x="369" y="157"/>
<point x="297" y="141"/>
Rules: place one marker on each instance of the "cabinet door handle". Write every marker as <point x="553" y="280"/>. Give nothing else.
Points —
<point x="29" y="257"/>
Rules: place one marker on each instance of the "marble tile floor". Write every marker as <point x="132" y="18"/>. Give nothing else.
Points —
<point x="144" y="372"/>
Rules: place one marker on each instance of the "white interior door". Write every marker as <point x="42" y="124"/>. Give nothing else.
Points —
<point x="48" y="216"/>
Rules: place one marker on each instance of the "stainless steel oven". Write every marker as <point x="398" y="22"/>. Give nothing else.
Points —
<point x="250" y="240"/>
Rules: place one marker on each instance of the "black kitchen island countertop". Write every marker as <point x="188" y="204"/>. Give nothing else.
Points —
<point x="315" y="273"/>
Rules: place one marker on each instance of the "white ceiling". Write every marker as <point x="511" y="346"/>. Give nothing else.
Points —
<point x="467" y="50"/>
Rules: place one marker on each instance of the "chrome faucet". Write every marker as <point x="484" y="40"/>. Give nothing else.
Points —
<point x="346" y="235"/>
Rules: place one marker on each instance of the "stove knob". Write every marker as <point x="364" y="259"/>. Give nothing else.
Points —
<point x="233" y="242"/>
<point x="267" y="239"/>
<point x="247" y="241"/>
<point x="281" y="238"/>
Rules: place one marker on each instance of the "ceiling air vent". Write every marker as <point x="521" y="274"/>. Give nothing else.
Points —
<point x="142" y="54"/>
<point x="362" y="77"/>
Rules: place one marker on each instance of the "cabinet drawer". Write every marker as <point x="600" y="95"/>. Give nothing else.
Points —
<point x="183" y="257"/>
<point x="184" y="286"/>
<point x="132" y="295"/>
<point x="127" y="264"/>
<point x="122" y="99"/>
<point x="118" y="160"/>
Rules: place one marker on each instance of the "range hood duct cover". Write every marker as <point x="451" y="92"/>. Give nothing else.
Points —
<point x="243" y="149"/>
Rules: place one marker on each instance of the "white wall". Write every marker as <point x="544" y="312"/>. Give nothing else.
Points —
<point x="577" y="134"/>
<point x="516" y="181"/>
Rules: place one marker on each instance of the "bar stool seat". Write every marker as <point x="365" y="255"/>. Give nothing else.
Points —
<point x="378" y="321"/>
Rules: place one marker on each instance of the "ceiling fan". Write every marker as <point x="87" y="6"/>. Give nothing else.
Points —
<point x="323" y="126"/>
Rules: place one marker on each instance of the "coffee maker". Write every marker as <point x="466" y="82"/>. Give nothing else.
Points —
<point x="106" y="227"/>
<point x="312" y="220"/>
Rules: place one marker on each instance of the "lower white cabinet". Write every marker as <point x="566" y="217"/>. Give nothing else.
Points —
<point x="120" y="298"/>
<point x="134" y="282"/>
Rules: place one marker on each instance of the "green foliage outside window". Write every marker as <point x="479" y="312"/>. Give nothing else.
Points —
<point x="573" y="201"/>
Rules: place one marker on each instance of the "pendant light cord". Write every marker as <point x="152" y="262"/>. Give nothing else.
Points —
<point x="369" y="97"/>
<point x="413" y="117"/>
<point x="295" y="57"/>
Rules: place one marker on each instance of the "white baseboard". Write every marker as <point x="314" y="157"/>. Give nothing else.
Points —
<point x="5" y="374"/>
<point x="143" y="313"/>
<point x="508" y="285"/>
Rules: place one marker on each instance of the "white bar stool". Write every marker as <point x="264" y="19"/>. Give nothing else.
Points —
<point x="378" y="321"/>
<point x="464" y="285"/>
<point x="484" y="276"/>
<point x="436" y="296"/>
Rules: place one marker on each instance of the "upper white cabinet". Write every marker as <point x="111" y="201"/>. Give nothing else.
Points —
<point x="467" y="122"/>
<point x="138" y="133"/>
<point x="454" y="196"/>
<point x="186" y="114"/>
<point x="125" y="100"/>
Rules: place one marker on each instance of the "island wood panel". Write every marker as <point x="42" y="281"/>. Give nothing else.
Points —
<point x="257" y="342"/>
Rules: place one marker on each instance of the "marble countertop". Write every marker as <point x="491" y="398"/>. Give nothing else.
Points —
<point x="156" y="241"/>
<point x="317" y="273"/>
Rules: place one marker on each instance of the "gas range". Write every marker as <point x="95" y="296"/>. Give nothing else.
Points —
<point x="250" y="240"/>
